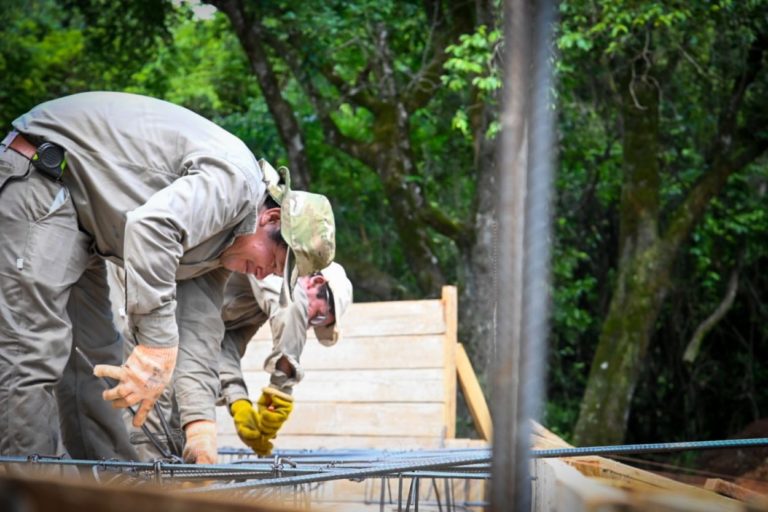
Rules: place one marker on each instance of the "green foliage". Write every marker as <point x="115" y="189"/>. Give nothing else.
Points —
<point x="53" y="48"/>
<point x="201" y="66"/>
<point x="692" y="53"/>
<point x="474" y="66"/>
<point x="692" y="50"/>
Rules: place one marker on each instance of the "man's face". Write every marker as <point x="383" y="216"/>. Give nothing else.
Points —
<point x="257" y="254"/>
<point x="318" y="309"/>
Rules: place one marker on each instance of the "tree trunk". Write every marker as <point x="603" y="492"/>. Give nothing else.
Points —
<point x="646" y="257"/>
<point x="477" y="301"/>
<point x="250" y="32"/>
<point x="642" y="277"/>
<point x="624" y="340"/>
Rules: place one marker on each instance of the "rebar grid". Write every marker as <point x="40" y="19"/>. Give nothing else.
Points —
<point x="429" y="479"/>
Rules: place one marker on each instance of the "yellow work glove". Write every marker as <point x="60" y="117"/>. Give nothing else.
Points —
<point x="200" y="447"/>
<point x="274" y="408"/>
<point x="141" y="379"/>
<point x="262" y="446"/>
<point x="246" y="421"/>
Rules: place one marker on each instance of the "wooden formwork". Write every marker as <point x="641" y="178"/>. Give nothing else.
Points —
<point x="389" y="383"/>
<point x="592" y="483"/>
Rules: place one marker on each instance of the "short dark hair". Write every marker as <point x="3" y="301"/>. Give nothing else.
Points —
<point x="325" y="291"/>
<point x="274" y="232"/>
<point x="269" y="203"/>
<point x="275" y="236"/>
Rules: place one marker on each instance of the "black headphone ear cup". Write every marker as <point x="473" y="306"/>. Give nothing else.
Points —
<point x="50" y="155"/>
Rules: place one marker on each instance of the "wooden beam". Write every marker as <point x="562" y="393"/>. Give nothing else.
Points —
<point x="41" y="493"/>
<point x="473" y="394"/>
<point x="450" y="312"/>
<point x="733" y="490"/>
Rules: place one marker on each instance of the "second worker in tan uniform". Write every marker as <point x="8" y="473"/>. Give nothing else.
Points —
<point x="320" y="301"/>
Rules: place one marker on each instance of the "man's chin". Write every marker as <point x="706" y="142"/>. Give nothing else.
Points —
<point x="235" y="266"/>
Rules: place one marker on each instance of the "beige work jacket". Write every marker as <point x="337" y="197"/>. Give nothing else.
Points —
<point x="248" y="304"/>
<point x="161" y="190"/>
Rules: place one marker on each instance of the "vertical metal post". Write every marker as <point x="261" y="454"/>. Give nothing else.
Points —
<point x="525" y="183"/>
<point x="508" y="481"/>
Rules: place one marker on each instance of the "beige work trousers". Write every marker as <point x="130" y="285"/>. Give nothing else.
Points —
<point x="53" y="297"/>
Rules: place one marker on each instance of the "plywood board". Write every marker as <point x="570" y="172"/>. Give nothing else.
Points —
<point x="331" y="442"/>
<point x="361" y="419"/>
<point x="403" y="385"/>
<point x="389" y="382"/>
<point x="396" y="318"/>
<point x="424" y="351"/>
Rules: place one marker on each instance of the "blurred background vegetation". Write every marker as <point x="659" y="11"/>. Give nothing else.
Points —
<point x="390" y="109"/>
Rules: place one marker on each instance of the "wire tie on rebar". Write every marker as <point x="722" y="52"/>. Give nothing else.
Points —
<point x="157" y="467"/>
<point x="277" y="466"/>
<point x="34" y="458"/>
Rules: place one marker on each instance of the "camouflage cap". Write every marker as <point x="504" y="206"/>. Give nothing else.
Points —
<point x="306" y="224"/>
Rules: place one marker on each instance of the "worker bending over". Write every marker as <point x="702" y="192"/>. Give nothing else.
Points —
<point x="320" y="300"/>
<point x="172" y="198"/>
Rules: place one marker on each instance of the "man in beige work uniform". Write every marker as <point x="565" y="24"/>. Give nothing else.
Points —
<point x="320" y="300"/>
<point x="160" y="191"/>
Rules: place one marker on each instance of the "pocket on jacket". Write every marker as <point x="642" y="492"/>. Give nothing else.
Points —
<point x="12" y="167"/>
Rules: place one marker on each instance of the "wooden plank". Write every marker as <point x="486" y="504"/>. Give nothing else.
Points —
<point x="394" y="318"/>
<point x="543" y="439"/>
<point x="450" y="313"/>
<point x="559" y="487"/>
<point x="378" y="419"/>
<point x="346" y="495"/>
<point x="732" y="490"/>
<point x="638" y="480"/>
<point x="329" y="442"/>
<point x="473" y="394"/>
<point x="36" y="493"/>
<point x="360" y="419"/>
<point x="417" y="385"/>
<point x="630" y="478"/>
<point x="359" y="352"/>
<point x="680" y="501"/>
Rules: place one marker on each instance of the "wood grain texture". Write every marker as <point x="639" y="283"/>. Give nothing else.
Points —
<point x="390" y="382"/>
<point x="381" y="352"/>
<point x="404" y="385"/>
<point x="450" y="315"/>
<point x="395" y="318"/>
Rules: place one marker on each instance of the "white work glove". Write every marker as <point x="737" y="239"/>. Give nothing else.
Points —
<point x="142" y="379"/>
<point x="200" y="447"/>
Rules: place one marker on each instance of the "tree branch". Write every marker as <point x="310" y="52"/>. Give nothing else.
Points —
<point x="333" y="136"/>
<point x="694" y="346"/>
<point x="251" y="32"/>
<point x="437" y="219"/>
<point x="427" y="80"/>
<point x="357" y="92"/>
<point x="731" y="150"/>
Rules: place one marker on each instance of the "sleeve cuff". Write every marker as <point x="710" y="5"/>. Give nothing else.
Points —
<point x="155" y="330"/>
<point x="196" y="404"/>
<point x="233" y="393"/>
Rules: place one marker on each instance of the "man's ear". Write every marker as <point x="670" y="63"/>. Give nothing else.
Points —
<point x="270" y="216"/>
